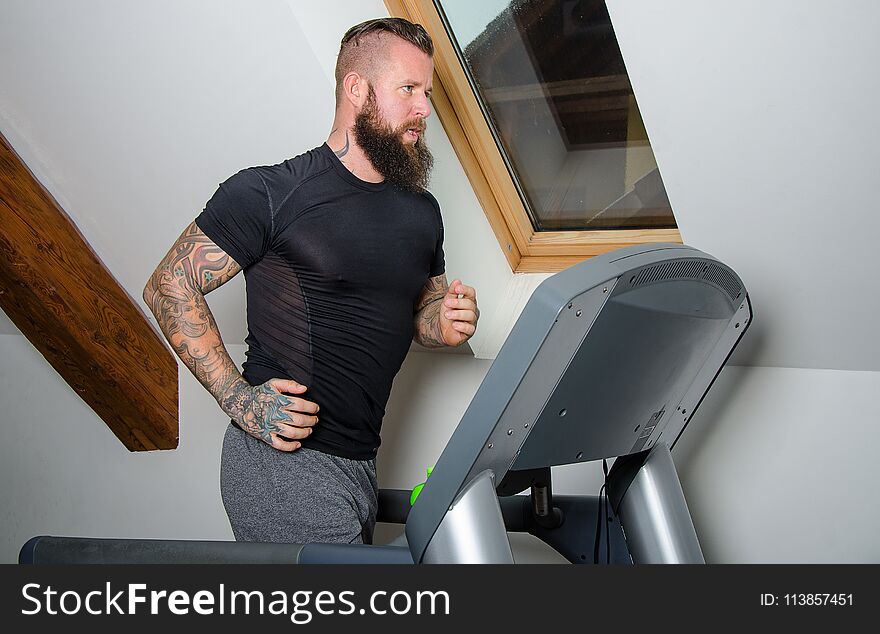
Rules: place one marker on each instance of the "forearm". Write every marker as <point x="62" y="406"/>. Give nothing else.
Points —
<point x="427" y="325"/>
<point x="187" y="322"/>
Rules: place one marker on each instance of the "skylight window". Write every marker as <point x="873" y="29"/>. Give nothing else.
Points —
<point x="536" y="99"/>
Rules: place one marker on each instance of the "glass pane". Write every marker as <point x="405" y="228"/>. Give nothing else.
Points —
<point x="551" y="81"/>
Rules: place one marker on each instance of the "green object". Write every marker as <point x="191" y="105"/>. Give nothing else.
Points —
<point x="418" y="488"/>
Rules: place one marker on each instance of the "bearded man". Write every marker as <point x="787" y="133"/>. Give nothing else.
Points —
<point x="342" y="252"/>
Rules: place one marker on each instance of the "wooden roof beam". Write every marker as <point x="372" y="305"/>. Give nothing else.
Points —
<point x="69" y="306"/>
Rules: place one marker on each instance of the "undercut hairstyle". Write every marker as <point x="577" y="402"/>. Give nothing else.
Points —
<point x="362" y="45"/>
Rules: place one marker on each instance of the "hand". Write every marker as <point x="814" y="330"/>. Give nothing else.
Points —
<point x="268" y="413"/>
<point x="458" y="314"/>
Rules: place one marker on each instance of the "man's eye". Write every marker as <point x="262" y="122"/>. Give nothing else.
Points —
<point x="408" y="88"/>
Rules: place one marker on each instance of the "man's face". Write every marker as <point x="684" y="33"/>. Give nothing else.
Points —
<point x="391" y="124"/>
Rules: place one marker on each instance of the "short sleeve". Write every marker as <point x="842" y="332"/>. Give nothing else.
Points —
<point x="238" y="217"/>
<point x="438" y="264"/>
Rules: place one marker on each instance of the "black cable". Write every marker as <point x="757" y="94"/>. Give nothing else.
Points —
<point x="605" y="513"/>
<point x="608" y="520"/>
<point x="598" y="528"/>
<point x="609" y="516"/>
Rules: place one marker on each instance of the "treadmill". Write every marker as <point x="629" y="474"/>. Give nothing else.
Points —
<point x="610" y="359"/>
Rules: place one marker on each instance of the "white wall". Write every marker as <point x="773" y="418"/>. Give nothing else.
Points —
<point x="65" y="473"/>
<point x="132" y="114"/>
<point x="779" y="465"/>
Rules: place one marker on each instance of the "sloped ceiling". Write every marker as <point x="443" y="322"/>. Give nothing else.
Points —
<point x="760" y="115"/>
<point x="131" y="113"/>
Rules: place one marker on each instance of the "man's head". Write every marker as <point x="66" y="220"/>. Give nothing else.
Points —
<point x="383" y="82"/>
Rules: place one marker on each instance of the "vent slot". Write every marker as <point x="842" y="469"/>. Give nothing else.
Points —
<point x="722" y="277"/>
<point x="690" y="269"/>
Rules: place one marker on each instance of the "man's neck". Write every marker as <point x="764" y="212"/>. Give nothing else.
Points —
<point x="343" y="144"/>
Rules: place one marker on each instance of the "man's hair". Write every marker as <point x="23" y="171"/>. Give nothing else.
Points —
<point x="361" y="44"/>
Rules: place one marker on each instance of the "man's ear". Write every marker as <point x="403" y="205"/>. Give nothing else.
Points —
<point x="355" y="89"/>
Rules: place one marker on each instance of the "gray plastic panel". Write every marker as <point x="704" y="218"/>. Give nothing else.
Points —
<point x="514" y="419"/>
<point x="520" y="417"/>
<point x="472" y="531"/>
<point x="84" y="550"/>
<point x="688" y="404"/>
<point x="643" y="352"/>
<point x="354" y="554"/>
<point x="655" y="516"/>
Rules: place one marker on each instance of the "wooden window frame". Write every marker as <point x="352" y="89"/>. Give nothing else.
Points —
<point x="526" y="250"/>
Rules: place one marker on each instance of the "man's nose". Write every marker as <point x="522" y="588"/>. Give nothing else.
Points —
<point x="422" y="108"/>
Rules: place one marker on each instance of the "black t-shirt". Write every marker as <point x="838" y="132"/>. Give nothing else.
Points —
<point x="333" y="266"/>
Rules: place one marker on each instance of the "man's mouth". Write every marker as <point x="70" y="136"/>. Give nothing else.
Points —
<point x="413" y="133"/>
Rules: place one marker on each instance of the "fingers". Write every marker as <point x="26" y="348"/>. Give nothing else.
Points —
<point x="299" y="426"/>
<point x="457" y="288"/>
<point x="467" y="304"/>
<point x="451" y="292"/>
<point x="294" y="418"/>
<point x="461" y="315"/>
<point x="459" y="312"/>
<point x="293" y="432"/>
<point x="298" y="419"/>
<point x="288" y="436"/>
<point x="467" y="312"/>
<point x="283" y="445"/>
<point x="295" y="405"/>
<point x="464" y="327"/>
<point x="464" y="303"/>
<point x="287" y="386"/>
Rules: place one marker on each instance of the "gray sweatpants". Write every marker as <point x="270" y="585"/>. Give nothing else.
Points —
<point x="299" y="497"/>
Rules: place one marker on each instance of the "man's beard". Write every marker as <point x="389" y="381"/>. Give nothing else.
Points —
<point x="405" y="165"/>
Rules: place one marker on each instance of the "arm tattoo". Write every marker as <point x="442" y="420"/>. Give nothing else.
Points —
<point x="427" y="316"/>
<point x="175" y="294"/>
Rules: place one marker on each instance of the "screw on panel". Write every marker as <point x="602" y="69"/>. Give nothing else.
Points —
<point x="605" y="290"/>
<point x="562" y="413"/>
<point x="577" y="314"/>
<point x="737" y="325"/>
<point x="579" y="456"/>
<point x="490" y="445"/>
<point x="526" y="426"/>
<point x="570" y="305"/>
<point x="509" y="432"/>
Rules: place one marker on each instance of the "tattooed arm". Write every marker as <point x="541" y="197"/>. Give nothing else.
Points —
<point x="175" y="293"/>
<point x="445" y="314"/>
